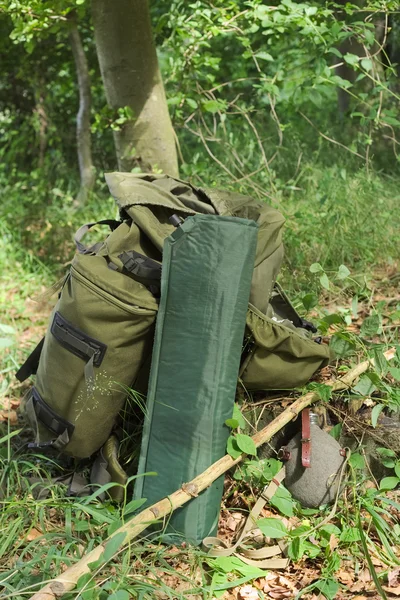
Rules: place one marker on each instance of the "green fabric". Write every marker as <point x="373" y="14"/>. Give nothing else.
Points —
<point x="282" y="356"/>
<point x="207" y="269"/>
<point x="111" y="308"/>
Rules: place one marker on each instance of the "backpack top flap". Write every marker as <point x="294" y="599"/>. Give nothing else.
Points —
<point x="151" y="199"/>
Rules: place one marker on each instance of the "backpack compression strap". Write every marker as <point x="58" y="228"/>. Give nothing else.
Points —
<point x="39" y="411"/>
<point x="31" y="364"/>
<point x="260" y="557"/>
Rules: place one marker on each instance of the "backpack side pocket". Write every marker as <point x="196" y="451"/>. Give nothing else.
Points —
<point x="280" y="357"/>
<point x="99" y="335"/>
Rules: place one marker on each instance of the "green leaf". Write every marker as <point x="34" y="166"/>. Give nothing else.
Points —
<point x="6" y="342"/>
<point x="296" y="549"/>
<point x="213" y="106"/>
<point x="336" y="431"/>
<point x="246" y="444"/>
<point x="341" y="345"/>
<point x="376" y="411"/>
<point x="386" y="452"/>
<point x="192" y="103"/>
<point x="264" y="56"/>
<point x="330" y="529"/>
<point x="366" y="64"/>
<point x="120" y="595"/>
<point x="364" y="387"/>
<point x="315" y="97"/>
<point x="7" y="329"/>
<point x="389" y="483"/>
<point x="397" y="468"/>
<point x="324" y="391"/>
<point x="311" y="10"/>
<point x="300" y="531"/>
<point x="133" y="505"/>
<point x="237" y="415"/>
<point x="232" y="423"/>
<point x="328" y="588"/>
<point x="232" y="448"/>
<point x="324" y="281"/>
<point x="380" y="362"/>
<point x="112" y="547"/>
<point x="336" y="52"/>
<point x="343" y="272"/>
<point x="332" y="319"/>
<point x="350" y="535"/>
<point x="370" y="326"/>
<point x="272" y="528"/>
<point x="316" y="268"/>
<point x="282" y="500"/>
<point x="357" y="461"/>
<point x="311" y="550"/>
<point x="390" y="120"/>
<point x="309" y="301"/>
<point x="395" y="373"/>
<point x="81" y="526"/>
<point x="351" y="59"/>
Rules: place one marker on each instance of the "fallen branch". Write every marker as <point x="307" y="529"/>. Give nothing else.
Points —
<point x="67" y="580"/>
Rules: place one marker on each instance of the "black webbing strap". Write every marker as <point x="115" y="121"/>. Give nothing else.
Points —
<point x="44" y="414"/>
<point x="82" y="249"/>
<point x="77" y="341"/>
<point x="146" y="270"/>
<point x="140" y="265"/>
<point x="31" y="364"/>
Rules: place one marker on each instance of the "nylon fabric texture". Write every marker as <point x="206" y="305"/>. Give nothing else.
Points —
<point x="207" y="269"/>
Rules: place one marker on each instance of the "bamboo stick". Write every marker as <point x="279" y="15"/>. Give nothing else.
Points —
<point x="67" y="580"/>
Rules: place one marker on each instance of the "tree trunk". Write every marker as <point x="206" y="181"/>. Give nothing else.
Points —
<point x="131" y="77"/>
<point x="84" y="144"/>
<point x="40" y="110"/>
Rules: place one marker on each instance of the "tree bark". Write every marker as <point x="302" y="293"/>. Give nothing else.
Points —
<point x="83" y="136"/>
<point x="40" y="109"/>
<point x="131" y="77"/>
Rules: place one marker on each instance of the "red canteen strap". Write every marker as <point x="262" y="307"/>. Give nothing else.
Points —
<point x="305" y="438"/>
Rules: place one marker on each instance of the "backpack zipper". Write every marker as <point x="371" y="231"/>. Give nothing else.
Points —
<point x="132" y="308"/>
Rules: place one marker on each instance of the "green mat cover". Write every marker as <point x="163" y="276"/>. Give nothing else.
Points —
<point x="207" y="270"/>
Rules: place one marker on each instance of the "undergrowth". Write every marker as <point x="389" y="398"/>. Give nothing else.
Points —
<point x="345" y="226"/>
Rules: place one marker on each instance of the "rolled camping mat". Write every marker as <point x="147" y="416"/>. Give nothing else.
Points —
<point x="207" y="269"/>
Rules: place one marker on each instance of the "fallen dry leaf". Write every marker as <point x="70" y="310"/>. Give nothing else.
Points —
<point x="394" y="578"/>
<point x="7" y="404"/>
<point x="392" y="590"/>
<point x="345" y="577"/>
<point x="248" y="592"/>
<point x="10" y="416"/>
<point x="333" y="542"/>
<point x="33" y="534"/>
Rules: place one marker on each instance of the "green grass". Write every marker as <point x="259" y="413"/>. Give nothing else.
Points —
<point x="334" y="217"/>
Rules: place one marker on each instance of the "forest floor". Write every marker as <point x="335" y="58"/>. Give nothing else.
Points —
<point x="354" y="555"/>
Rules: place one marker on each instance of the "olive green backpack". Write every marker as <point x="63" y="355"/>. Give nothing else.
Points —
<point x="100" y="336"/>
